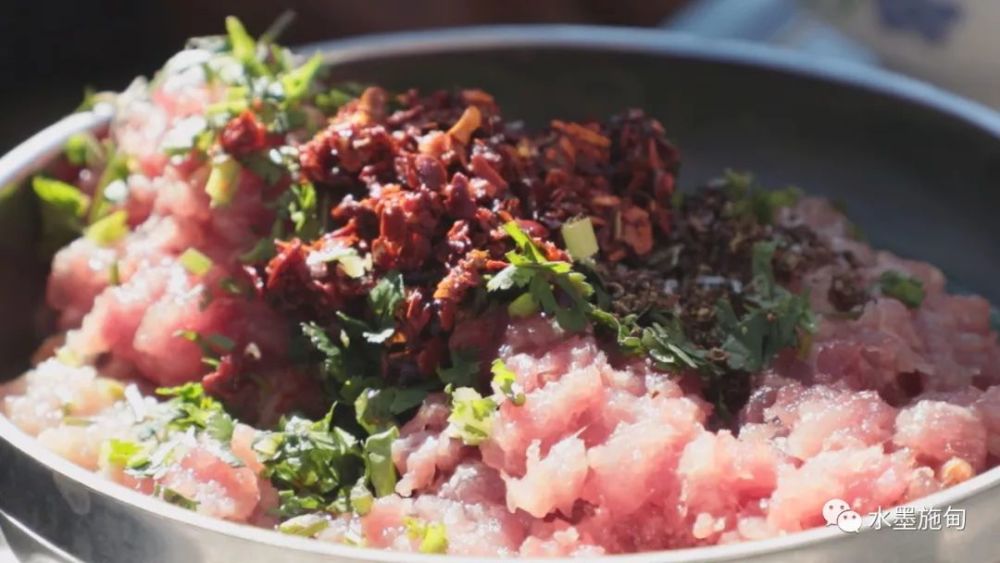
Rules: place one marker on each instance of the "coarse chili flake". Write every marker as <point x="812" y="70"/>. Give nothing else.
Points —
<point x="423" y="184"/>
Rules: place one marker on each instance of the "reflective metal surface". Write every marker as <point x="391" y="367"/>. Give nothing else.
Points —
<point x="917" y="168"/>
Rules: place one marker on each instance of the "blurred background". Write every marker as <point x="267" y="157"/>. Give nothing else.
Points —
<point x="51" y="50"/>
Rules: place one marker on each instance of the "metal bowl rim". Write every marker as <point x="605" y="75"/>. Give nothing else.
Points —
<point x="25" y="159"/>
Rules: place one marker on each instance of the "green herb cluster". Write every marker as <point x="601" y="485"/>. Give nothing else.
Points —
<point x="550" y="286"/>
<point x="906" y="289"/>
<point x="165" y="433"/>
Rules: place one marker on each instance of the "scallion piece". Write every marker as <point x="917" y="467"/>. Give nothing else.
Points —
<point x="222" y="182"/>
<point x="195" y="262"/>
<point x="109" y="229"/>
<point x="581" y="242"/>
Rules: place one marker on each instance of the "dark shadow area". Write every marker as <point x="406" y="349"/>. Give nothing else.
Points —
<point x="51" y="50"/>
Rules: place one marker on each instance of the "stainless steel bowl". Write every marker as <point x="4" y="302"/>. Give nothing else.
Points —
<point x="916" y="167"/>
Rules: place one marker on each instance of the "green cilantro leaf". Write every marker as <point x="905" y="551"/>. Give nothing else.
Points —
<point x="377" y="408"/>
<point x="378" y="461"/>
<point x="530" y="269"/>
<point x="192" y="408"/>
<point x="774" y="320"/>
<point x="463" y="371"/>
<point x="753" y="203"/>
<point x="314" y="465"/>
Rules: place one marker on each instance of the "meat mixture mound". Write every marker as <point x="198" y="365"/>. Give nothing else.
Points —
<point x="396" y="320"/>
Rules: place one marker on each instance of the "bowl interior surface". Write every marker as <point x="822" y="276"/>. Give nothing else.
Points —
<point x="917" y="181"/>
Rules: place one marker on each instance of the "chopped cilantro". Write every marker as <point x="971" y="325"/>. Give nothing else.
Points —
<point x="906" y="289"/>
<point x="529" y="268"/>
<point x="384" y="299"/>
<point x="463" y="370"/>
<point x="752" y="202"/>
<point x="192" y="408"/>
<point x="774" y="320"/>
<point x="668" y="347"/>
<point x="313" y="464"/>
<point x="379" y="467"/>
<point x="377" y="408"/>
<point x="302" y="210"/>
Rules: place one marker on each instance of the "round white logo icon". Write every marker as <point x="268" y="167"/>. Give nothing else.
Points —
<point x="838" y="513"/>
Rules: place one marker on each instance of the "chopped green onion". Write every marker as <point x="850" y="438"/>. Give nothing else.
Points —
<point x="361" y="498"/>
<point x="523" y="306"/>
<point x="307" y="525"/>
<point x="296" y="83"/>
<point x="116" y="169"/>
<point x="114" y="274"/>
<point x="505" y="382"/>
<point x="581" y="242"/>
<point x="222" y="181"/>
<point x="907" y="289"/>
<point x="195" y="262"/>
<point x="174" y="497"/>
<point x="110" y="229"/>
<point x="83" y="149"/>
<point x="471" y="417"/>
<point x="123" y="453"/>
<point x="433" y="537"/>
<point x="242" y="45"/>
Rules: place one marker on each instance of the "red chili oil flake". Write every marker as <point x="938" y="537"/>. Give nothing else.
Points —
<point x="425" y="189"/>
<point x="243" y="135"/>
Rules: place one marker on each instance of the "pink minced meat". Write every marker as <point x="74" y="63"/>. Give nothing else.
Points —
<point x="605" y="458"/>
<point x="601" y="458"/>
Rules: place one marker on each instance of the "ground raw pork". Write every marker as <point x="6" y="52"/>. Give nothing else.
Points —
<point x="605" y="458"/>
<point x="607" y="454"/>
